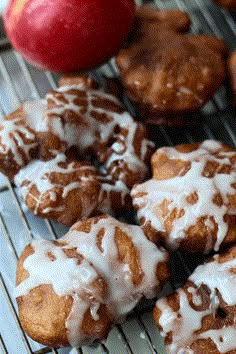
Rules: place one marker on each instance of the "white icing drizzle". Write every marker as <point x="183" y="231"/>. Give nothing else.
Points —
<point x="35" y="111"/>
<point x="11" y="132"/>
<point x="97" y="123"/>
<point x="74" y="321"/>
<point x="186" y="321"/>
<point x="76" y="279"/>
<point x="197" y="299"/>
<point x="94" y="311"/>
<point x="50" y="209"/>
<point x="128" y="155"/>
<point x="182" y="324"/>
<point x="69" y="188"/>
<point x="74" y="274"/>
<point x="224" y="338"/>
<point x="37" y="173"/>
<point x="88" y="131"/>
<point x="168" y="316"/>
<point x="92" y="130"/>
<point x="70" y="278"/>
<point x="217" y="275"/>
<point x="178" y="188"/>
<point x="185" y="351"/>
<point x="105" y="198"/>
<point x="89" y="125"/>
<point x="18" y="132"/>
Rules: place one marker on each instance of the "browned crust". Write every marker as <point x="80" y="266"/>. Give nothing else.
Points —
<point x="74" y="201"/>
<point x="223" y="317"/>
<point x="155" y="74"/>
<point x="8" y="164"/>
<point x="43" y="313"/>
<point x="228" y="4"/>
<point x="198" y="236"/>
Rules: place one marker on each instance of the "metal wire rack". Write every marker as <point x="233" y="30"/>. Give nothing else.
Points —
<point x="21" y="82"/>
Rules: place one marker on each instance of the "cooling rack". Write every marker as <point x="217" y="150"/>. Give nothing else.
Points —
<point x="21" y="82"/>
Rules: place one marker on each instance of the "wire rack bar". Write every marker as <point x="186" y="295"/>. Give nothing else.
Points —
<point x="4" y="44"/>
<point x="51" y="79"/>
<point x="124" y="339"/>
<point x="21" y="212"/>
<point x="51" y="229"/>
<point x="145" y="330"/>
<point x="7" y="78"/>
<point x="8" y="237"/>
<point x="46" y="350"/>
<point x="104" y="349"/>
<point x="26" y="73"/>
<point x="229" y="19"/>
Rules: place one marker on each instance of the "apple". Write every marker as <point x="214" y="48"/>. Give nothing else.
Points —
<point x="68" y="35"/>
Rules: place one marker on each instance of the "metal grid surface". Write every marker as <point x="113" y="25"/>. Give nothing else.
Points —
<point x="21" y="82"/>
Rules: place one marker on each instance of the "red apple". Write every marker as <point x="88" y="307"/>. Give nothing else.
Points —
<point x="68" y="35"/>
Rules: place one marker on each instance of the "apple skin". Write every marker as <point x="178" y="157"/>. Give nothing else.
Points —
<point x="68" y="35"/>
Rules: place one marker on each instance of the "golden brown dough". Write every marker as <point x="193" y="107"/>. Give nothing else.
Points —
<point x="190" y="202"/>
<point x="59" y="189"/>
<point x="72" y="290"/>
<point x="18" y="142"/>
<point x="67" y="191"/>
<point x="167" y="73"/>
<point x="42" y="305"/>
<point x="228" y="4"/>
<point x="200" y="317"/>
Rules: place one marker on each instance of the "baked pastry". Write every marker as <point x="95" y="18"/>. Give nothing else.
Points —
<point x="18" y="143"/>
<point x="228" y="4"/>
<point x="200" y="317"/>
<point x="58" y="189"/>
<point x="166" y="73"/>
<point x="71" y="291"/>
<point x="95" y="123"/>
<point x="67" y="191"/>
<point x="77" y="122"/>
<point x="190" y="203"/>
